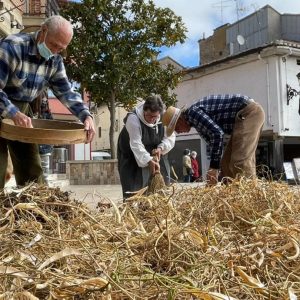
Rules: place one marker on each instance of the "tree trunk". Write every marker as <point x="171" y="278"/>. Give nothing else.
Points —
<point x="112" y="110"/>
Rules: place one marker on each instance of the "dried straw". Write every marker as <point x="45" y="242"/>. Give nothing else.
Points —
<point x="239" y="241"/>
<point x="156" y="183"/>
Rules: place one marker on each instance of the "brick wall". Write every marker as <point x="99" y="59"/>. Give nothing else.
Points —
<point x="93" y="172"/>
<point x="214" y="47"/>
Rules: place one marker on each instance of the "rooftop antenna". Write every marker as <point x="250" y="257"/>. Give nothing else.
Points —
<point x="239" y="8"/>
<point x="255" y="6"/>
<point x="257" y="12"/>
<point x="221" y="4"/>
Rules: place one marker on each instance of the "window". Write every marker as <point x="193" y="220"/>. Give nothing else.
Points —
<point x="99" y="132"/>
<point x="35" y="7"/>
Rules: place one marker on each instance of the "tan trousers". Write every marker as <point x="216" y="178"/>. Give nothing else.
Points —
<point x="239" y="154"/>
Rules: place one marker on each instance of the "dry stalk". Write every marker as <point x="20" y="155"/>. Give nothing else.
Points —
<point x="239" y="241"/>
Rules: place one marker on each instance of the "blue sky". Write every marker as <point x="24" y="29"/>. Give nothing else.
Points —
<point x="201" y="17"/>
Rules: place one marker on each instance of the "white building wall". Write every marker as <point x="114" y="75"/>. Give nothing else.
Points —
<point x="263" y="79"/>
<point x="102" y="120"/>
<point x="291" y="118"/>
<point x="12" y="17"/>
<point x="248" y="79"/>
<point x="82" y="152"/>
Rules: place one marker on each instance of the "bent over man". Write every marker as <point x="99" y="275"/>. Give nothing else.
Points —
<point x="30" y="63"/>
<point x="214" y="116"/>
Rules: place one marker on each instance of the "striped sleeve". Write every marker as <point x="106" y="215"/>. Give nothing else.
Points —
<point x="8" y="63"/>
<point x="63" y="91"/>
<point x="211" y="132"/>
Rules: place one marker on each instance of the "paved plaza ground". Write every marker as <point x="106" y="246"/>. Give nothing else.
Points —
<point x="91" y="194"/>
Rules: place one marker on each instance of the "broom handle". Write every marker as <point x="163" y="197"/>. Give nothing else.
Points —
<point x="174" y="173"/>
<point x="155" y="158"/>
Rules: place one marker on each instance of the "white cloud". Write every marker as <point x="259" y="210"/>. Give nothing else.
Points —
<point x="203" y="16"/>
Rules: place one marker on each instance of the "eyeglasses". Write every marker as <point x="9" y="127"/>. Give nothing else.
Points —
<point x="54" y="44"/>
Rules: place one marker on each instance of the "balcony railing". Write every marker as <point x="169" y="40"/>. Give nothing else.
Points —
<point x="44" y="8"/>
<point x="26" y="14"/>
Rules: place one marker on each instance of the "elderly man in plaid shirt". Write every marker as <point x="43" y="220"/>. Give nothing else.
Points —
<point x="214" y="116"/>
<point x="30" y="63"/>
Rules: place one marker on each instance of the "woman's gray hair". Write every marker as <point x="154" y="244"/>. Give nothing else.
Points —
<point x="154" y="103"/>
<point x="56" y="23"/>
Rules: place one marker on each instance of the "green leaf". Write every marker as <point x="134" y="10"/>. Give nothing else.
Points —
<point x="112" y="54"/>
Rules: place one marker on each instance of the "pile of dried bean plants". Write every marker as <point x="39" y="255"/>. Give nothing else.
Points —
<point x="239" y="241"/>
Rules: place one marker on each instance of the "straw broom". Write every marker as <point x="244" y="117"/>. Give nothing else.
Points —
<point x="156" y="181"/>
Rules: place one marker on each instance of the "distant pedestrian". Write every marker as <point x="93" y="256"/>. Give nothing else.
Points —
<point x="187" y="170"/>
<point x="214" y="116"/>
<point x="195" y="166"/>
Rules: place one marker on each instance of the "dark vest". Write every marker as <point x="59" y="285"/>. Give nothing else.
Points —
<point x="133" y="177"/>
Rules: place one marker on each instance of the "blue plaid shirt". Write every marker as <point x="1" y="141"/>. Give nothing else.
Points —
<point x="214" y="116"/>
<point x="24" y="74"/>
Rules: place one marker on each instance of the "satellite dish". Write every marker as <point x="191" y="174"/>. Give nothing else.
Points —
<point x="240" y="39"/>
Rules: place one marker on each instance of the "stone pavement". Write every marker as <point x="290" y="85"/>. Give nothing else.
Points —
<point x="94" y="194"/>
<point x="90" y="194"/>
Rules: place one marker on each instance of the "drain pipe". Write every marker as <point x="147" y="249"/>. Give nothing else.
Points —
<point x="268" y="89"/>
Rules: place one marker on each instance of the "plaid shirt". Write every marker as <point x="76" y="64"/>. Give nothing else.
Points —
<point x="24" y="74"/>
<point x="214" y="116"/>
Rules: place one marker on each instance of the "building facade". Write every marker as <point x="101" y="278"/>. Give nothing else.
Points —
<point x="26" y="16"/>
<point x="262" y="61"/>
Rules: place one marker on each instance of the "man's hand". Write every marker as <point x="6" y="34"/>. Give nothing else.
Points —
<point x="153" y="166"/>
<point x="212" y="176"/>
<point x="22" y="120"/>
<point x="89" y="128"/>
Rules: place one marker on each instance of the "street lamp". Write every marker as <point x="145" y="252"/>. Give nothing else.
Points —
<point x="22" y="2"/>
<point x="15" y="24"/>
<point x="291" y="93"/>
<point x="298" y="77"/>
